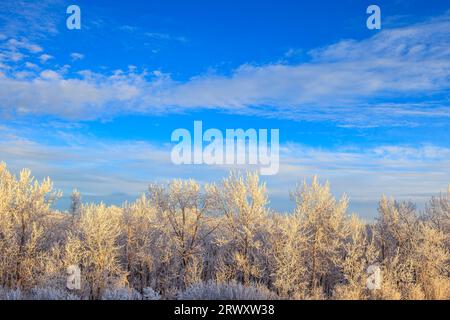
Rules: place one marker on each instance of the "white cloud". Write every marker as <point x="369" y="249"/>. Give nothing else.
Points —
<point x="30" y="65"/>
<point x="164" y="36"/>
<point x="337" y="84"/>
<point x="293" y="53"/>
<point x="23" y="74"/>
<point x="50" y="75"/>
<point x="76" y="56"/>
<point x="101" y="167"/>
<point x="70" y="98"/>
<point x="35" y="18"/>
<point x="45" y="57"/>
<point x="13" y="51"/>
<point x="15" y="44"/>
<point x="16" y="56"/>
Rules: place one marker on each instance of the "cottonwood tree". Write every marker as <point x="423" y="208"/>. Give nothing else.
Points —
<point x="402" y="236"/>
<point x="432" y="263"/>
<point x="358" y="252"/>
<point x="397" y="233"/>
<point x="413" y="251"/>
<point x="24" y="213"/>
<point x="438" y="214"/>
<point x="184" y="208"/>
<point x="242" y="238"/>
<point x="135" y="240"/>
<point x="287" y="251"/>
<point x="397" y="228"/>
<point x="75" y="203"/>
<point x="93" y="245"/>
<point x="435" y="249"/>
<point x="322" y="222"/>
<point x="182" y="240"/>
<point x="147" y="252"/>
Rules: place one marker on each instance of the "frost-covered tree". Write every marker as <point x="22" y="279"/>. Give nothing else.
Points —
<point x="322" y="223"/>
<point x="94" y="247"/>
<point x="184" y="209"/>
<point x="219" y="241"/>
<point x="24" y="215"/>
<point x="397" y="233"/>
<point x="358" y="253"/>
<point x="397" y="228"/>
<point x="243" y="235"/>
<point x="139" y="240"/>
<point x="432" y="263"/>
<point x="288" y="245"/>
<point x="75" y="203"/>
<point x="438" y="214"/>
<point x="413" y="251"/>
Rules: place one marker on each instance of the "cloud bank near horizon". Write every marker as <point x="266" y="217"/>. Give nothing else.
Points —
<point x="101" y="169"/>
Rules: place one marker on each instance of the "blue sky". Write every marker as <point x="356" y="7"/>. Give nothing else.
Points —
<point x="94" y="108"/>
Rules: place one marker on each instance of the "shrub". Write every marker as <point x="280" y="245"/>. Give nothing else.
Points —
<point x="121" y="294"/>
<point x="226" y="291"/>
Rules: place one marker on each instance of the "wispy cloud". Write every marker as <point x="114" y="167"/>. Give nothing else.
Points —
<point x="164" y="36"/>
<point x="15" y="44"/>
<point x="45" y="57"/>
<point x="76" y="56"/>
<point x="391" y="70"/>
<point x="33" y="18"/>
<point x="102" y="167"/>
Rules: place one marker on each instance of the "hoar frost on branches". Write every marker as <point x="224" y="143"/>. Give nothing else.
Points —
<point x="182" y="240"/>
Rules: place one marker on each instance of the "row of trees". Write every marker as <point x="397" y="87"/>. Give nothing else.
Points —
<point x="183" y="240"/>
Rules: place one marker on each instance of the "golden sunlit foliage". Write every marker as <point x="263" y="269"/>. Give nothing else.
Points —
<point x="183" y="240"/>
